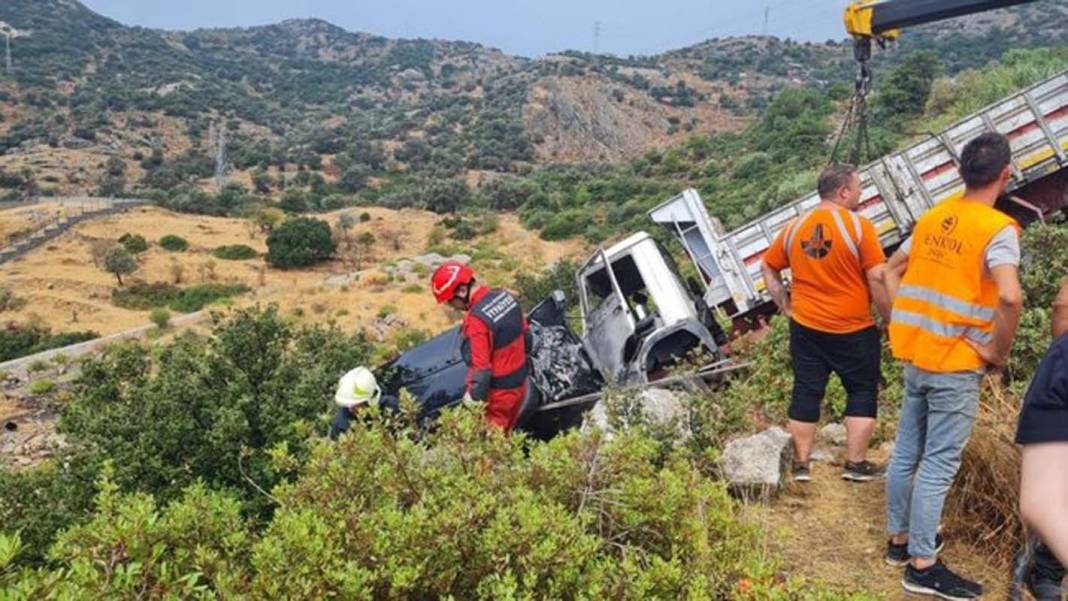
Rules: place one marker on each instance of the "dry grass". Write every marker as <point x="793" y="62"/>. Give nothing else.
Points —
<point x="982" y="505"/>
<point x="61" y="283"/>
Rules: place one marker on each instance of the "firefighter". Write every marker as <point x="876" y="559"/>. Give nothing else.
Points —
<point x="356" y="390"/>
<point x="494" y="332"/>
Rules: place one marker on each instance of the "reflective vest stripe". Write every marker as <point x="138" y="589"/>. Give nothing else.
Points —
<point x="846" y="237"/>
<point x="947" y="302"/>
<point x="940" y="328"/>
<point x="514" y="379"/>
<point x="795" y="226"/>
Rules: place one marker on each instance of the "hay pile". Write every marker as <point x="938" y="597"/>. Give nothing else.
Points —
<point x="982" y="506"/>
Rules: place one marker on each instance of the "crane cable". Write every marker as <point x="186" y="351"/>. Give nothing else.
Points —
<point x="855" y="123"/>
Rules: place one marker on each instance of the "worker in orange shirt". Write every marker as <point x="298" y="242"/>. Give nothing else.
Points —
<point x="836" y="262"/>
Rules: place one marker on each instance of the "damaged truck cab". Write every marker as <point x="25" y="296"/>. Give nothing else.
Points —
<point x="639" y="317"/>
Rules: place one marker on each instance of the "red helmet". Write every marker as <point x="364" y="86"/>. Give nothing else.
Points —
<point x="448" y="277"/>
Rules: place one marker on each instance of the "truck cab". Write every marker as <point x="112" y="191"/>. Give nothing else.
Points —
<point x="639" y="317"/>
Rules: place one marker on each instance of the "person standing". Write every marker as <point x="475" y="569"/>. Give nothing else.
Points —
<point x="956" y="304"/>
<point x="1043" y="432"/>
<point x="836" y="261"/>
<point x="495" y="339"/>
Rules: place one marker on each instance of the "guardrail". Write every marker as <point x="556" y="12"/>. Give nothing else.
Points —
<point x="63" y="224"/>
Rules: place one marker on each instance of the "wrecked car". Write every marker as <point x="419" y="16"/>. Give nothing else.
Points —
<point x="638" y="318"/>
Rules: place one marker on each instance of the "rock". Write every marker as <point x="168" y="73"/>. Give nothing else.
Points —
<point x="755" y="466"/>
<point x="663" y="407"/>
<point x="822" y="456"/>
<point x="834" y="434"/>
<point x="598" y="418"/>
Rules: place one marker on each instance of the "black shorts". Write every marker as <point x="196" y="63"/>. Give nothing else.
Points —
<point x="853" y="356"/>
<point x="1044" y="416"/>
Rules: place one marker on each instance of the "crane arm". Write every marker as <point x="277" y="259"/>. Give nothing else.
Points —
<point x="883" y="19"/>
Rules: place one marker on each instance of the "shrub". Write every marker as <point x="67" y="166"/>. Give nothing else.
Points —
<point x="142" y="296"/>
<point x="300" y="242"/>
<point x="10" y="302"/>
<point x="173" y="243"/>
<point x="161" y="317"/>
<point x="235" y="252"/>
<point x="196" y="298"/>
<point x="42" y="387"/>
<point x="578" y="517"/>
<point x="409" y="338"/>
<point x="37" y="365"/>
<point x="134" y="243"/>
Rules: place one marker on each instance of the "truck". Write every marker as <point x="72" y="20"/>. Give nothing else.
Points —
<point x="897" y="189"/>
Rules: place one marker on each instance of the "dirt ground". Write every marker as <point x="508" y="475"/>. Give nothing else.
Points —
<point x="66" y="291"/>
<point x="833" y="531"/>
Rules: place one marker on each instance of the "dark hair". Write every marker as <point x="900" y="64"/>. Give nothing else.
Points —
<point x="983" y="159"/>
<point x="833" y="177"/>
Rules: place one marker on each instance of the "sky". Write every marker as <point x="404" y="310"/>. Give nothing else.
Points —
<point x="521" y="27"/>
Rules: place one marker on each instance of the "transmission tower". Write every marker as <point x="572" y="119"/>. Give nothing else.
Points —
<point x="596" y="37"/>
<point x="765" y="30"/>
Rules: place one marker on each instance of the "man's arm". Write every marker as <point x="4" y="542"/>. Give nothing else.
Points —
<point x="894" y="271"/>
<point x="776" y="289"/>
<point x="480" y="372"/>
<point x="1006" y="316"/>
<point x="1060" y="310"/>
<point x="876" y="277"/>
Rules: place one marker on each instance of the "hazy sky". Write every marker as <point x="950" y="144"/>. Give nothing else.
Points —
<point x="524" y="27"/>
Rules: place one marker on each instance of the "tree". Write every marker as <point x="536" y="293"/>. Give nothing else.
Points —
<point x="354" y="178"/>
<point x="300" y="242"/>
<point x="268" y="218"/>
<point x="446" y="196"/>
<point x="905" y="93"/>
<point x="120" y="262"/>
<point x="364" y="242"/>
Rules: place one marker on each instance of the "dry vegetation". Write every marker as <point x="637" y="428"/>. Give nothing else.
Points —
<point x="65" y="290"/>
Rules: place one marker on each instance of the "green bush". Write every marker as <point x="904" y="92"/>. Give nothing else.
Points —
<point x="173" y="243"/>
<point x="300" y="242"/>
<point x="119" y="262"/>
<point x="161" y="317"/>
<point x="133" y="243"/>
<point x="196" y="298"/>
<point x="22" y="342"/>
<point x="235" y="252"/>
<point x="578" y="517"/>
<point x="42" y="387"/>
<point x="143" y="296"/>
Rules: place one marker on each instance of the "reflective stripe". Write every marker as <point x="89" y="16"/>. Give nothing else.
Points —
<point x="856" y="226"/>
<point x="943" y="301"/>
<point x="848" y="239"/>
<point x="794" y="227"/>
<point x="939" y="328"/>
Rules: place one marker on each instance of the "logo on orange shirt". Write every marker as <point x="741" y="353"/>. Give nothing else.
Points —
<point x="817" y="246"/>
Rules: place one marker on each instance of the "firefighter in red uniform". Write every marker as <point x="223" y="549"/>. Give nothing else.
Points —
<point x="495" y="333"/>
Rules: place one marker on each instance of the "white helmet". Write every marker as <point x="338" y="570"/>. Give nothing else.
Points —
<point x="357" y="387"/>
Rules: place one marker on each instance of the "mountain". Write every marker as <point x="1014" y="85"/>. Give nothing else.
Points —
<point x="365" y="110"/>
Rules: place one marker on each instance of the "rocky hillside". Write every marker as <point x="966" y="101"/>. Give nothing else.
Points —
<point x="359" y="110"/>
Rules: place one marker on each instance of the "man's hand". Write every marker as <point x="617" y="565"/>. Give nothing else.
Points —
<point x="988" y="353"/>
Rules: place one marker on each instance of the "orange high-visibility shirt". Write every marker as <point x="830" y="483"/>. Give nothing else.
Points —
<point x="828" y="251"/>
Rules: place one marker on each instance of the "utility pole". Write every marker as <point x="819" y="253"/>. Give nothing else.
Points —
<point x="767" y="9"/>
<point x="7" y="47"/>
<point x="596" y="37"/>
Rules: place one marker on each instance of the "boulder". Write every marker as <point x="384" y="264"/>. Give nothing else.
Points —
<point x="755" y="466"/>
<point x="834" y="434"/>
<point x="659" y="407"/>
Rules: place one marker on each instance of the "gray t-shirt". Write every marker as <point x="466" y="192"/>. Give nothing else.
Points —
<point x="1003" y="249"/>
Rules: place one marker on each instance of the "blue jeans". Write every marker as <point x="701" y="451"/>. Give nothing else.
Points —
<point x="936" y="421"/>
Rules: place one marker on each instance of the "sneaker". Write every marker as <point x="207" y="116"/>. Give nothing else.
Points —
<point x="898" y="555"/>
<point x="939" y="581"/>
<point x="1043" y="588"/>
<point x="801" y="472"/>
<point x="862" y="471"/>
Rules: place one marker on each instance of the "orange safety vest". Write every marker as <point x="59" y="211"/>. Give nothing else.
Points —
<point x="944" y="296"/>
